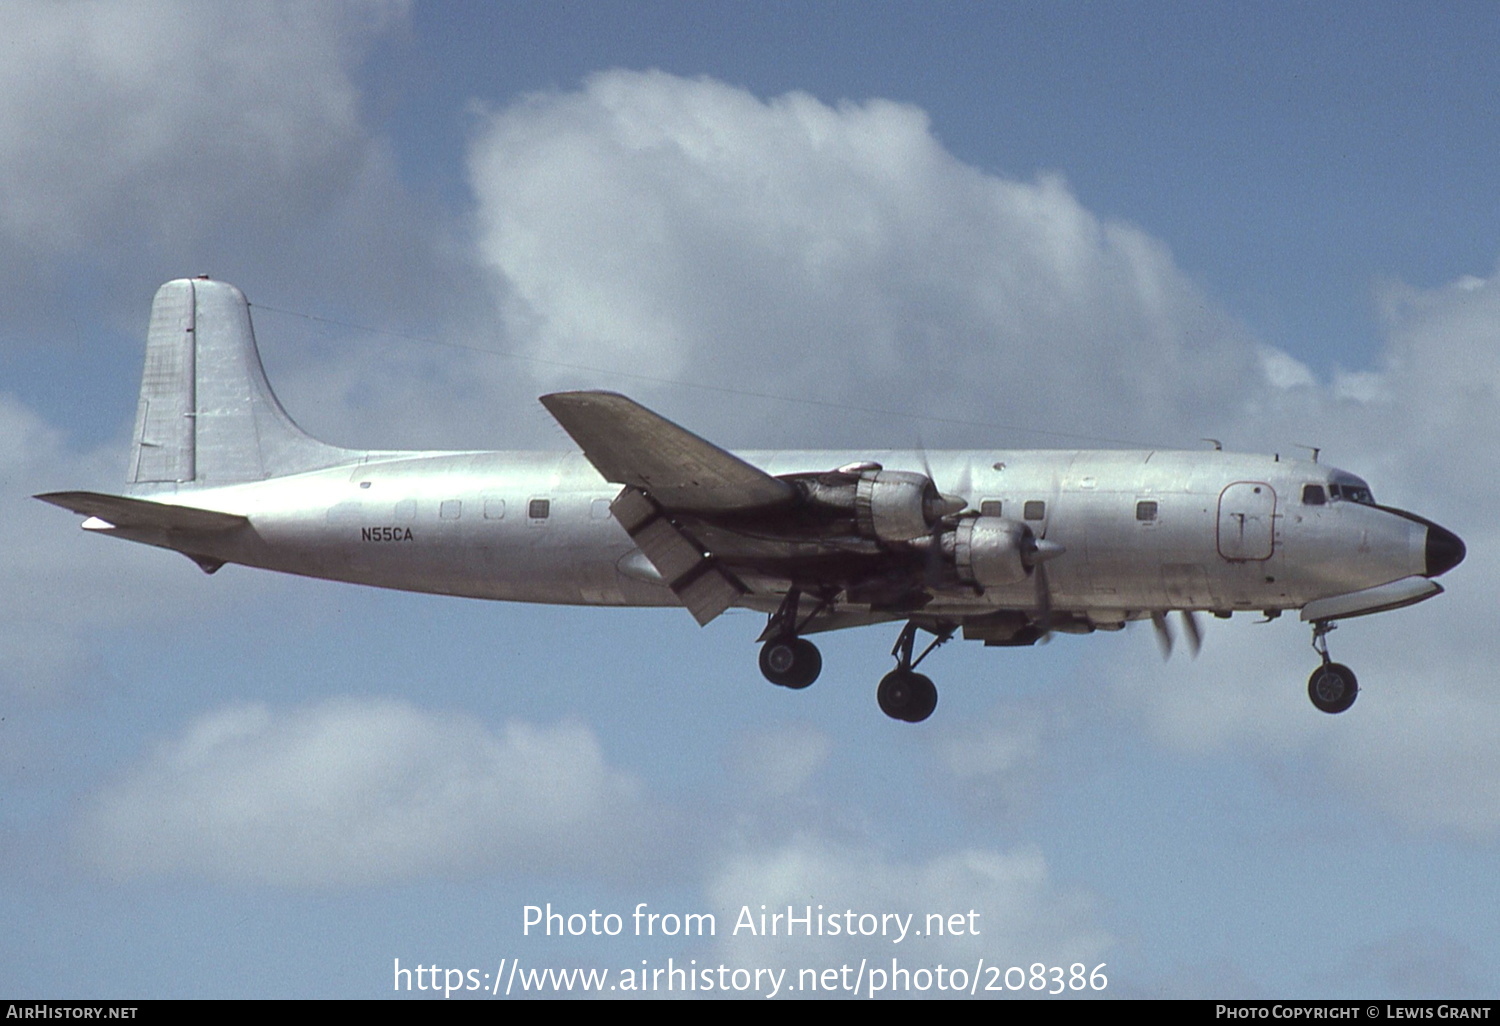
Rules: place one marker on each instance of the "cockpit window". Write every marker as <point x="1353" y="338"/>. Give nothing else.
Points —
<point x="1313" y="495"/>
<point x="1352" y="492"/>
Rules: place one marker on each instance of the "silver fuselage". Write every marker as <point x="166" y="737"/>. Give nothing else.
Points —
<point x="1226" y="531"/>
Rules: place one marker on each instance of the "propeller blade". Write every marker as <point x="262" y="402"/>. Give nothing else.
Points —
<point x="1043" y="550"/>
<point x="963" y="486"/>
<point x="1163" y="633"/>
<point x="1193" y="631"/>
<point x="948" y="505"/>
<point x="1043" y="621"/>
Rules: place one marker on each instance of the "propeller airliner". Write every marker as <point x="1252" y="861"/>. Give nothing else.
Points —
<point x="1000" y="546"/>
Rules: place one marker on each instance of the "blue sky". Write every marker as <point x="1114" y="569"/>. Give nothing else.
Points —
<point x="1272" y="225"/>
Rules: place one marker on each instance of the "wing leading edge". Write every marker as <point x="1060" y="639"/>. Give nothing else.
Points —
<point x="667" y="469"/>
<point x="630" y="445"/>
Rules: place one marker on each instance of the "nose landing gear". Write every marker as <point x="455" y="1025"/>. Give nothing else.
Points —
<point x="1332" y="686"/>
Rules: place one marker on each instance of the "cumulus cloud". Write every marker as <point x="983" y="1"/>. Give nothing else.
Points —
<point x="777" y="762"/>
<point x="686" y="229"/>
<point x="157" y="117"/>
<point x="350" y="793"/>
<point x="995" y="762"/>
<point x="681" y="228"/>
<point x="1024" y="913"/>
<point x="1422" y="428"/>
<point x="62" y="587"/>
<point x="141" y="141"/>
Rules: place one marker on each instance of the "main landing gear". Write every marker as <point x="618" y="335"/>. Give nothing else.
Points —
<point x="785" y="659"/>
<point x="790" y="661"/>
<point x="905" y="694"/>
<point x="1332" y="686"/>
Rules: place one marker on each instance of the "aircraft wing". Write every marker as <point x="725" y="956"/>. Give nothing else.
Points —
<point x="120" y="511"/>
<point x="630" y="445"/>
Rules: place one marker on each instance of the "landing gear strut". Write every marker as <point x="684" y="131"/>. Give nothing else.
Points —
<point x="785" y="659"/>
<point x="905" y="694"/>
<point x="1332" y="686"/>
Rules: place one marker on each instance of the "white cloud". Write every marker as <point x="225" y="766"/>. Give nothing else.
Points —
<point x="1023" y="915"/>
<point x="62" y="587"/>
<point x="1424" y="428"/>
<point x="1417" y="745"/>
<point x="776" y="762"/>
<point x="349" y="793"/>
<point x="165" y="117"/>
<point x="996" y="762"/>
<point x="686" y="229"/>
<point x="1285" y="371"/>
<point x="141" y="141"/>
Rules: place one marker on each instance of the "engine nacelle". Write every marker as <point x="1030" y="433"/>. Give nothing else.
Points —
<point x="892" y="506"/>
<point x="897" y="505"/>
<point x="993" y="551"/>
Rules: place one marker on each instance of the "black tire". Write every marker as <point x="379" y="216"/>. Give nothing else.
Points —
<point x="790" y="662"/>
<point x="905" y="695"/>
<point x="925" y="699"/>
<point x="1332" y="687"/>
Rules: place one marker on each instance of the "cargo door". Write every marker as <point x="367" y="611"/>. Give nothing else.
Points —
<point x="1247" y="521"/>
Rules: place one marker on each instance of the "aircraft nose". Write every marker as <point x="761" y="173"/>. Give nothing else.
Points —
<point x="1445" y="550"/>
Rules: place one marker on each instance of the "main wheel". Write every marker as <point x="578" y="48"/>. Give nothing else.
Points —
<point x="1332" y="687"/>
<point x="906" y="695"/>
<point x="790" y="662"/>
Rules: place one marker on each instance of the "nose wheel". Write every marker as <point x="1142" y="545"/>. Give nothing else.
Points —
<point x="1332" y="686"/>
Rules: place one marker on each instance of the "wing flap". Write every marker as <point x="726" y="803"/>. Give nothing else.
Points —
<point x="120" y="511"/>
<point x="698" y="580"/>
<point x="630" y="445"/>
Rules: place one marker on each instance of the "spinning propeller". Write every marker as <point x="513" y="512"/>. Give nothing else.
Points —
<point x="1189" y="627"/>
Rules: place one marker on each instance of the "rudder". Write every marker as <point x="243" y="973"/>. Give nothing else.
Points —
<point x="207" y="414"/>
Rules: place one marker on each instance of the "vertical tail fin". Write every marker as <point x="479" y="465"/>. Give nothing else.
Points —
<point x="207" y="415"/>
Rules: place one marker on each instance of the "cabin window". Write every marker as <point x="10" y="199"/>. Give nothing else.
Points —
<point x="406" y="510"/>
<point x="494" y="509"/>
<point x="539" y="509"/>
<point x="1145" y="509"/>
<point x="451" y="509"/>
<point x="599" y="509"/>
<point x="1035" y="509"/>
<point x="1312" y="495"/>
<point x="990" y="508"/>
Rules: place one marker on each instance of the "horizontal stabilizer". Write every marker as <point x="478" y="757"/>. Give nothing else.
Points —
<point x="119" y="511"/>
<point x="630" y="445"/>
<point x="1406" y="592"/>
